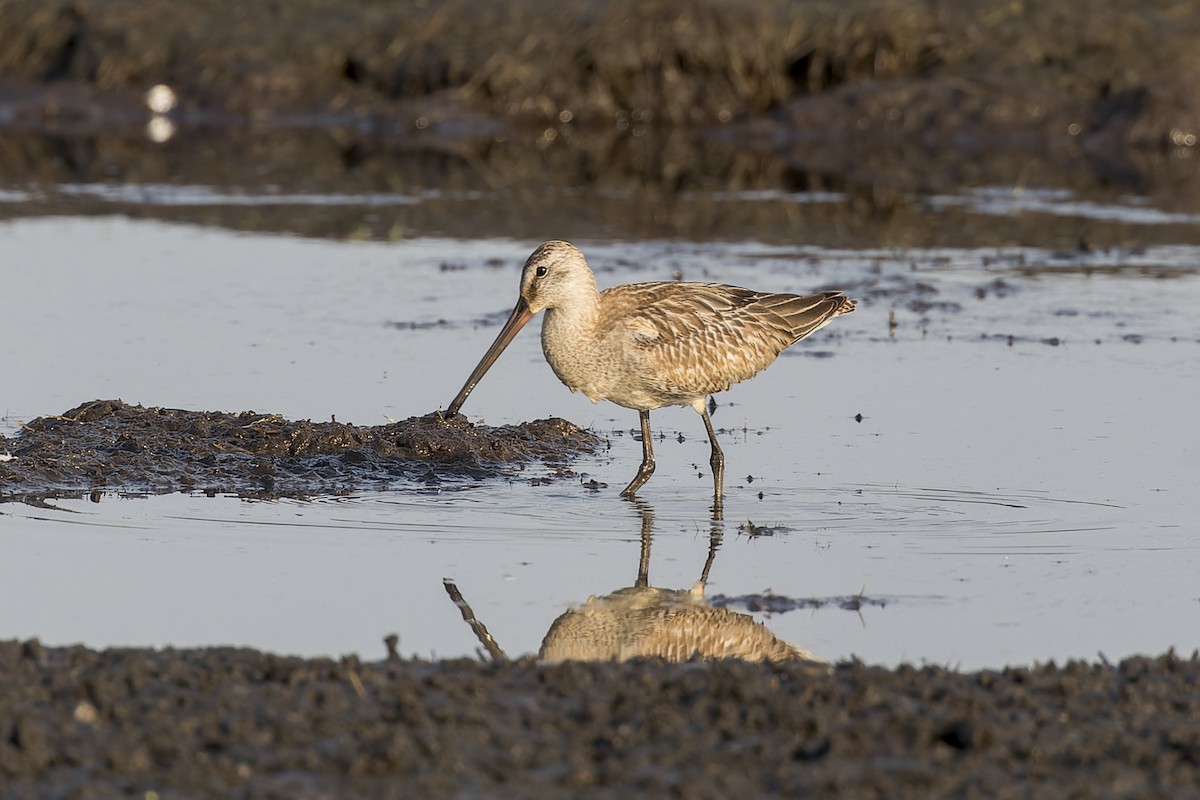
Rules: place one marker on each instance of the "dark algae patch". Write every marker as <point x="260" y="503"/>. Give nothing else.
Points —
<point x="108" y="445"/>
<point x="238" y="723"/>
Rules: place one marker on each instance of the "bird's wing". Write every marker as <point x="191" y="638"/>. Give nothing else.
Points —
<point x="701" y="338"/>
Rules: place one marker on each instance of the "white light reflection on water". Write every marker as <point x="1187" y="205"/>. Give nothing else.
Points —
<point x="1006" y="200"/>
<point x="1009" y="503"/>
<point x="989" y="200"/>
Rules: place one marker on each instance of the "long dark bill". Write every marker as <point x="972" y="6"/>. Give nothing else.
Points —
<point x="520" y="315"/>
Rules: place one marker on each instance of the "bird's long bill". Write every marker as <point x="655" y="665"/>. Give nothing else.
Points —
<point x="520" y="315"/>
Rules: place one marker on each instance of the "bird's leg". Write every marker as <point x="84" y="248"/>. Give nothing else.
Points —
<point x="717" y="460"/>
<point x="647" y="515"/>
<point x="647" y="468"/>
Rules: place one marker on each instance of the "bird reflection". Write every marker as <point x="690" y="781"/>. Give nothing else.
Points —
<point x="644" y="621"/>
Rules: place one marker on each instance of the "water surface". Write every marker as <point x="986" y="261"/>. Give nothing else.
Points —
<point x="1019" y="487"/>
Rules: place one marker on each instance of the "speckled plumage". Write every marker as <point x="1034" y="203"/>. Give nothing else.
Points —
<point x="649" y="345"/>
<point x="678" y="343"/>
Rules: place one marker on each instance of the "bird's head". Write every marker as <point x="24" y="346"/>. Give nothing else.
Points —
<point x="554" y="274"/>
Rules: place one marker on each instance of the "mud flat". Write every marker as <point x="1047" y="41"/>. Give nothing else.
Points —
<point x="240" y="723"/>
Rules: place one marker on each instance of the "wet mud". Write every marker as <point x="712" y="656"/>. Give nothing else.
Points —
<point x="631" y="118"/>
<point x="978" y="65"/>
<point x="238" y="723"/>
<point x="108" y="445"/>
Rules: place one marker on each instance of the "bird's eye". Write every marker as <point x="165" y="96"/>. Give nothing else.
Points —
<point x="540" y="272"/>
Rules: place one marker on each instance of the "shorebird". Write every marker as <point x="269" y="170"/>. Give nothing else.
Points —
<point x="649" y="345"/>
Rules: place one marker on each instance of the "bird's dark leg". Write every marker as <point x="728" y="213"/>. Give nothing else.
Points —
<point x="647" y="468"/>
<point x="717" y="460"/>
<point x="647" y="515"/>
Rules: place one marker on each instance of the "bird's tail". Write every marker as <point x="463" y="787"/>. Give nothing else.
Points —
<point x="808" y="314"/>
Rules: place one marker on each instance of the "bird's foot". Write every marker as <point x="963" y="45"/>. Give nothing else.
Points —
<point x="639" y="480"/>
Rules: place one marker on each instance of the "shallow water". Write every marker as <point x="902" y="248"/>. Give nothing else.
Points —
<point x="1002" y="500"/>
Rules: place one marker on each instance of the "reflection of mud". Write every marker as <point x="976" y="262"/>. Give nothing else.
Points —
<point x="109" y="445"/>
<point x="779" y="604"/>
<point x="585" y="186"/>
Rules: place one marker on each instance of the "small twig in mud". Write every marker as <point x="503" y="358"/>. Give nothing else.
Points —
<point x="276" y="419"/>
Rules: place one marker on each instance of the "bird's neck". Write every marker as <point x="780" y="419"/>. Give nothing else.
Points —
<point x="575" y="317"/>
<point x="568" y="336"/>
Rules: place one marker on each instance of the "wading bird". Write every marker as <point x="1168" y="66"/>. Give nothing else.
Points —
<point x="649" y="345"/>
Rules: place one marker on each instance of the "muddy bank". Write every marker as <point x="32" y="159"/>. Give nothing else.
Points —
<point x="625" y="118"/>
<point x="108" y="445"/>
<point x="240" y="723"/>
<point x="1125" y="63"/>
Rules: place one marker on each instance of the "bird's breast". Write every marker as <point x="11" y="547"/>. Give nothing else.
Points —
<point x="569" y="346"/>
<point x="609" y="365"/>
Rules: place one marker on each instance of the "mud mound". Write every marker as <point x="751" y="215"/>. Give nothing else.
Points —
<point x="110" y="445"/>
<point x="240" y="723"/>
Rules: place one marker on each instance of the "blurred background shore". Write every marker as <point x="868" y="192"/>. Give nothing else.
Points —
<point x="622" y="120"/>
